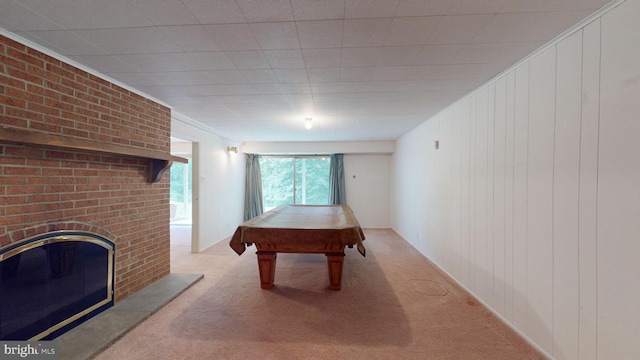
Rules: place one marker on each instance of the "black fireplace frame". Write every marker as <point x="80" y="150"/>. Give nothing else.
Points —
<point x="63" y="244"/>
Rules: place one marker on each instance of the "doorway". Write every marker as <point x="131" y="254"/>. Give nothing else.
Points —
<point x="181" y="201"/>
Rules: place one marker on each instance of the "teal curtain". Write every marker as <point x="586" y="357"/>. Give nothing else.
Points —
<point x="337" y="193"/>
<point x="253" y="188"/>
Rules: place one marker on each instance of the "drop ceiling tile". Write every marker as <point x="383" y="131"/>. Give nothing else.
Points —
<point x="233" y="36"/>
<point x="514" y="6"/>
<point x="191" y="38"/>
<point x="165" y="12"/>
<point x="260" y="76"/>
<point x="215" y="11"/>
<point x="354" y="9"/>
<point x="318" y="9"/>
<point x="223" y="90"/>
<point x="322" y="58"/>
<point x="493" y="52"/>
<point x="396" y="86"/>
<point x="360" y="86"/>
<point x="457" y="29"/>
<point x="276" y="36"/>
<point x="320" y="34"/>
<point x="15" y="17"/>
<point x="399" y="55"/>
<point x="422" y="7"/>
<point x="287" y="76"/>
<point x="438" y="54"/>
<point x="522" y="27"/>
<point x="205" y="77"/>
<point x="64" y="42"/>
<point x="248" y="59"/>
<point x="296" y="88"/>
<point x="360" y="56"/>
<point x="579" y="4"/>
<point x="244" y="100"/>
<point x="356" y="74"/>
<point x="265" y="10"/>
<point x="318" y="75"/>
<point x="206" y="61"/>
<point x="285" y="59"/>
<point x="391" y="73"/>
<point x="146" y="40"/>
<point x="178" y="61"/>
<point x="373" y="98"/>
<point x="268" y="88"/>
<point x="325" y="88"/>
<point x="468" y="7"/>
<point x="89" y="15"/>
<point x="104" y="14"/>
<point x="365" y="32"/>
<point x="411" y="30"/>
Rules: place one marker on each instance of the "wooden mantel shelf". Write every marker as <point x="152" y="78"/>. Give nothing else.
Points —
<point x="158" y="161"/>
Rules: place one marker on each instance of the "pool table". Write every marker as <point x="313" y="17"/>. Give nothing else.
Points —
<point x="316" y="229"/>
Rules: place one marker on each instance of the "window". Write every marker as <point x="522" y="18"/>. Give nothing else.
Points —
<point x="294" y="180"/>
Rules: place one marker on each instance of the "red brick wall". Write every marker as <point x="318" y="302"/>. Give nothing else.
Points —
<point x="44" y="188"/>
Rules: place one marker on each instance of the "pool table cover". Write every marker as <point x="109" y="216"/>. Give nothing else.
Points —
<point x="301" y="224"/>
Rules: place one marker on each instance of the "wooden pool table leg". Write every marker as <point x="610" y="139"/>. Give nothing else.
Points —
<point x="335" y="262"/>
<point x="267" y="268"/>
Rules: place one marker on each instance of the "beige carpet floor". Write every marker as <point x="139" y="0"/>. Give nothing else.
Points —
<point x="394" y="304"/>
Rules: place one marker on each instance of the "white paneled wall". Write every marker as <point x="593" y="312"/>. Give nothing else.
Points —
<point x="588" y="191"/>
<point x="618" y="209"/>
<point x="539" y="250"/>
<point x="566" y="177"/>
<point x="532" y="201"/>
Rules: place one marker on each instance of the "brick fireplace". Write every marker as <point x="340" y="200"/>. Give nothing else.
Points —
<point x="46" y="188"/>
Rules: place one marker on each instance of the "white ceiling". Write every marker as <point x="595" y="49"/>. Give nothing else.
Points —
<point x="254" y="69"/>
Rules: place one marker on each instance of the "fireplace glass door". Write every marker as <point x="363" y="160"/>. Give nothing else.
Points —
<point x="51" y="283"/>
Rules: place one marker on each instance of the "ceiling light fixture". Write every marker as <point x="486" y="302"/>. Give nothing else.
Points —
<point x="308" y="123"/>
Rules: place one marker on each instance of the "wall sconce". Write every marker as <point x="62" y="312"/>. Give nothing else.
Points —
<point x="308" y="123"/>
<point x="232" y="149"/>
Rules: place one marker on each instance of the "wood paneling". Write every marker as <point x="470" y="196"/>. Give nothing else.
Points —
<point x="618" y="207"/>
<point x="480" y="194"/>
<point x="520" y="183"/>
<point x="465" y="191"/>
<point x="544" y="166"/>
<point x="540" y="198"/>
<point x="588" y="191"/>
<point x="566" y="177"/>
<point x="489" y="264"/>
<point x="509" y="197"/>
<point x="499" y="171"/>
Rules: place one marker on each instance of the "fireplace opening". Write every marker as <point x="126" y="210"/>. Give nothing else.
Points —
<point x="52" y="282"/>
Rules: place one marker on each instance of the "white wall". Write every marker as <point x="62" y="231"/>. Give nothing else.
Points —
<point x="219" y="193"/>
<point x="533" y="199"/>
<point x="367" y="181"/>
